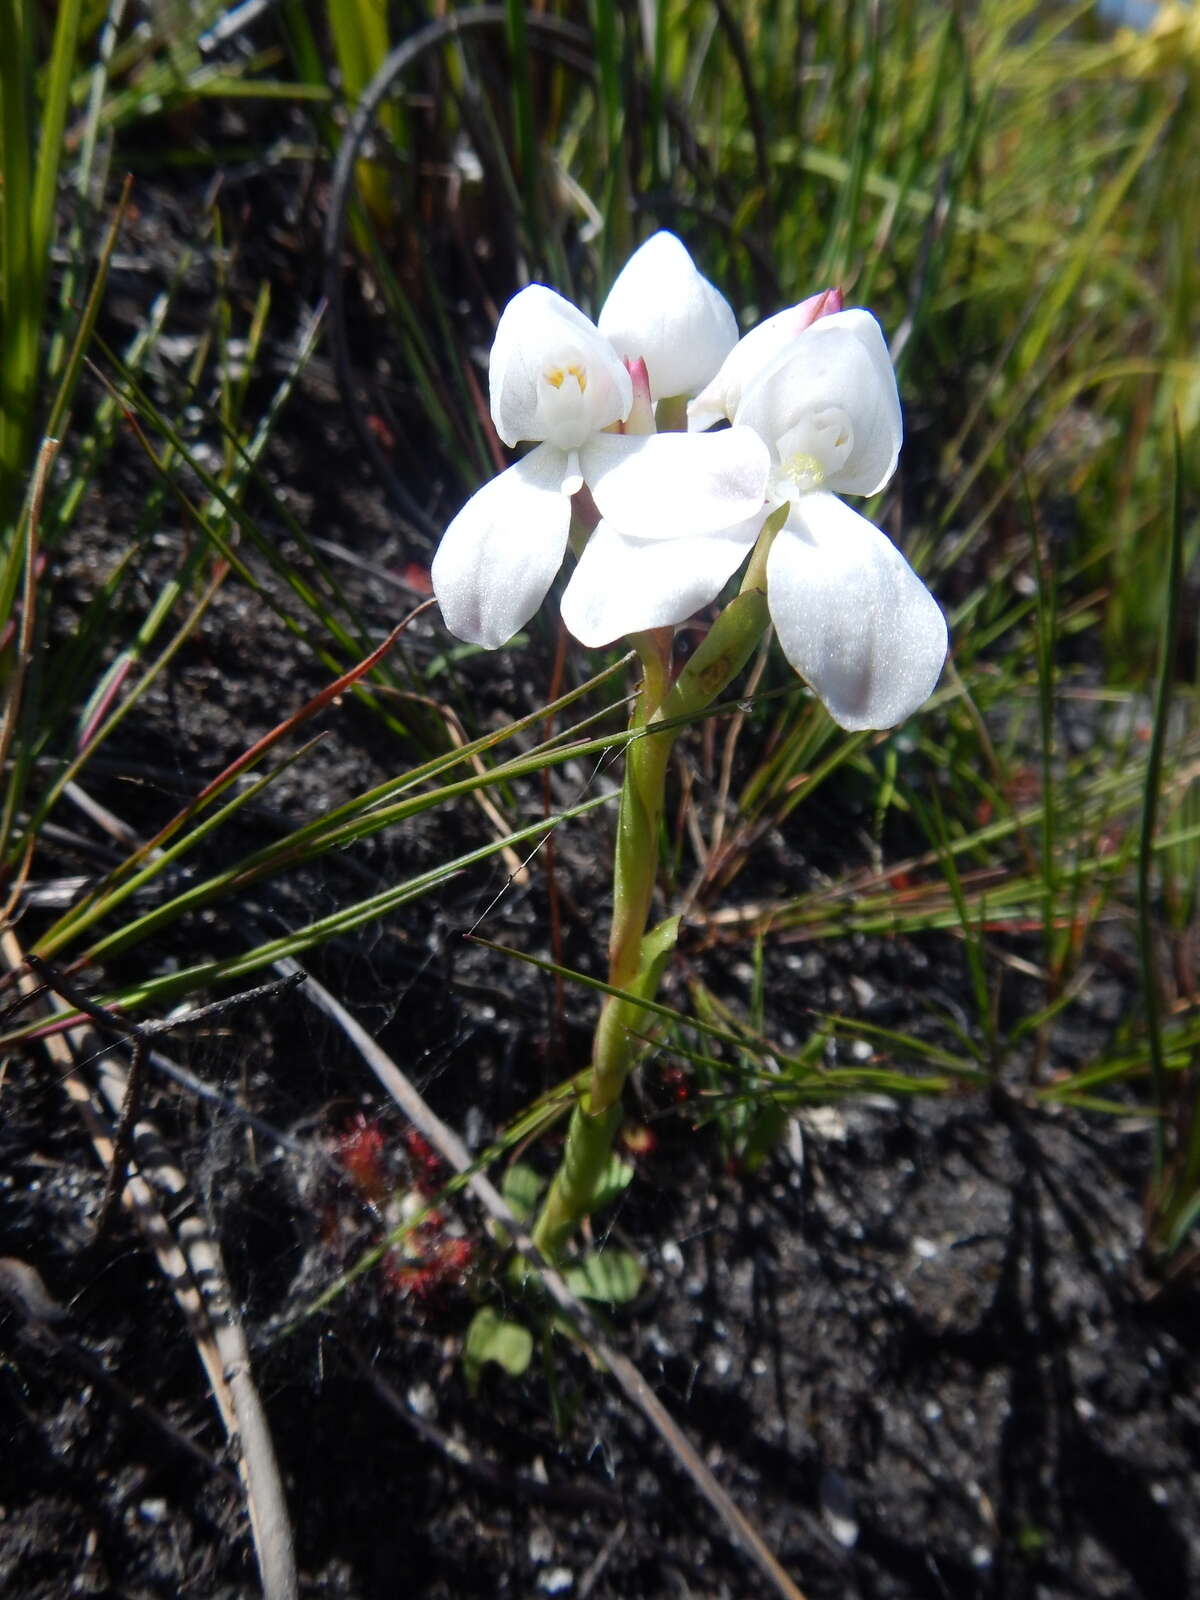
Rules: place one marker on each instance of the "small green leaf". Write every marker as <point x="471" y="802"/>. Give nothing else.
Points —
<point x="521" y="1188"/>
<point x="491" y="1338"/>
<point x="613" y="1182"/>
<point x="655" y="953"/>
<point x="611" y="1275"/>
<point x="765" y="1132"/>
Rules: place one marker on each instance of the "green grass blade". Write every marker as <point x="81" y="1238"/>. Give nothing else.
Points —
<point x="1147" y="935"/>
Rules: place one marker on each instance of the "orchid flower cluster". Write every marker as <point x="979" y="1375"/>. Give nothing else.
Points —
<point x="660" y="521"/>
<point x="668" y="453"/>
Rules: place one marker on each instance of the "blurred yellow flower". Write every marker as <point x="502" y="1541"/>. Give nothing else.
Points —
<point x="1172" y="40"/>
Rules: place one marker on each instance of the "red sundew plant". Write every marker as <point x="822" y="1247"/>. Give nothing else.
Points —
<point x="361" y="1151"/>
<point x="639" y="1140"/>
<point x="426" y="1163"/>
<point x="675" y="1081"/>
<point x="443" y="1263"/>
<point x="396" y="1180"/>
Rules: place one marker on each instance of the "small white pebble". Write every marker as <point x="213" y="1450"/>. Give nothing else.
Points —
<point x="925" y="1248"/>
<point x="837" y="1508"/>
<point x="422" y="1400"/>
<point x="153" y="1511"/>
<point x="672" y="1257"/>
<point x="795" y="1142"/>
<point x="864" y="992"/>
<point x="659" y="1342"/>
<point x="556" y="1580"/>
<point x="541" y="1546"/>
<point x="827" y="1122"/>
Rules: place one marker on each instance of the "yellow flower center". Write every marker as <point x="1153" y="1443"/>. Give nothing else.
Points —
<point x="557" y="376"/>
<point x="804" y="471"/>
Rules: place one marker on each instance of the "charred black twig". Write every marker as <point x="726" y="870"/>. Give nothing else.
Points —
<point x="136" y="1036"/>
<point x="15" y="1006"/>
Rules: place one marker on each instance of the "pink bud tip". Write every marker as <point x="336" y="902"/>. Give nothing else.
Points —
<point x="641" y="413"/>
<point x="825" y="304"/>
<point x="636" y="369"/>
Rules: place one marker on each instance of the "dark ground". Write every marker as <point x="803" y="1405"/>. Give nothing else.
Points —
<point x="917" y="1347"/>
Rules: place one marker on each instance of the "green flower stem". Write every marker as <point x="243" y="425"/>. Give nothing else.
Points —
<point x="636" y="959"/>
<point x="585" y="1155"/>
<point x="671" y="415"/>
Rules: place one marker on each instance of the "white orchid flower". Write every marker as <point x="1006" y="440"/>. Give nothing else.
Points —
<point x="556" y="380"/>
<point x="852" y="616"/>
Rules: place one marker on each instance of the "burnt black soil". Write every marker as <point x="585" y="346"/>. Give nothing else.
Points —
<point x="917" y="1345"/>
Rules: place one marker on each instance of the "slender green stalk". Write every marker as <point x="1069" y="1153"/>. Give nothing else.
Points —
<point x="637" y="958"/>
<point x="19" y="352"/>
<point x="1154" y="767"/>
<point x="31" y="137"/>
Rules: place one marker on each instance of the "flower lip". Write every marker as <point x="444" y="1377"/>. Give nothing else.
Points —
<point x="852" y="616"/>
<point x="500" y="553"/>
<point x="623" y="584"/>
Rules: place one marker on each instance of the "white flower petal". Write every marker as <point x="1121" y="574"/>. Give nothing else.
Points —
<point x="838" y="366"/>
<point x="852" y="616"/>
<point x="750" y="356"/>
<point x="551" y="374"/>
<point x="668" y="484"/>
<point x="663" y="309"/>
<point x="623" y="585"/>
<point x="499" y="556"/>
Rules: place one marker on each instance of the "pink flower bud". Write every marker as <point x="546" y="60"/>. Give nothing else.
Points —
<point x="641" y="413"/>
<point x="753" y="354"/>
<point x="825" y="304"/>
